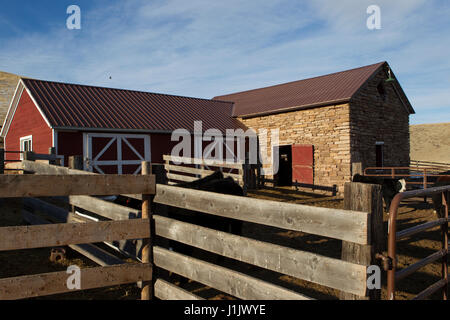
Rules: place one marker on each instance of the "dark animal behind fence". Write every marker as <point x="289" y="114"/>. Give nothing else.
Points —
<point x="389" y="187"/>
<point x="437" y="198"/>
<point x="212" y="183"/>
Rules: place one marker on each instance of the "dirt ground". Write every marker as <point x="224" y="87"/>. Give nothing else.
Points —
<point x="36" y="261"/>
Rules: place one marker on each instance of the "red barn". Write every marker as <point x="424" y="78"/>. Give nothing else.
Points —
<point x="114" y="129"/>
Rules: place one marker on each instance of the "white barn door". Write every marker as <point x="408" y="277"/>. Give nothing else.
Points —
<point x="115" y="153"/>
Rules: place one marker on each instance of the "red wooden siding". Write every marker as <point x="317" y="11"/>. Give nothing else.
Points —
<point x="70" y="144"/>
<point x="303" y="163"/>
<point x="28" y="121"/>
<point x="160" y="145"/>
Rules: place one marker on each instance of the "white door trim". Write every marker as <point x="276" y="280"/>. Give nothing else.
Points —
<point x="90" y="163"/>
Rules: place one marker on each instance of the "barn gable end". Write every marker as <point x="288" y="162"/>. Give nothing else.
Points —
<point x="25" y="120"/>
<point x="345" y="117"/>
<point x="379" y="116"/>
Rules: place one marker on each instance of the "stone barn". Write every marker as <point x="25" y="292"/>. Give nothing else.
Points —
<point x="327" y="123"/>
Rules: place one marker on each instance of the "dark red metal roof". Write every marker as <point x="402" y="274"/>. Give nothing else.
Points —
<point x="336" y="87"/>
<point x="79" y="106"/>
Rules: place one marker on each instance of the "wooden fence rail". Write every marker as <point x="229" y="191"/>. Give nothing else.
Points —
<point x="232" y="282"/>
<point x="179" y="172"/>
<point x="315" y="268"/>
<point x="333" y="223"/>
<point x="56" y="282"/>
<point x="52" y="235"/>
<point x="354" y="227"/>
<point x="18" y="186"/>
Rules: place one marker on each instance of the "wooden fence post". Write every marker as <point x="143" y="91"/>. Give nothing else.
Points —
<point x="28" y="155"/>
<point x="357" y="168"/>
<point x="367" y="198"/>
<point x="245" y="178"/>
<point x="76" y="162"/>
<point x="334" y="190"/>
<point x="161" y="178"/>
<point x="2" y="161"/>
<point x="52" y="151"/>
<point x="147" y="292"/>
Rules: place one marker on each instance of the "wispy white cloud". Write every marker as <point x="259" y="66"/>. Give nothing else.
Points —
<point x="204" y="48"/>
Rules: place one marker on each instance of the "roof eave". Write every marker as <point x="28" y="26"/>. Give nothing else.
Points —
<point x="292" y="109"/>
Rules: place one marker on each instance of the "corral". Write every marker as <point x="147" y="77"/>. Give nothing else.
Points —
<point x="286" y="251"/>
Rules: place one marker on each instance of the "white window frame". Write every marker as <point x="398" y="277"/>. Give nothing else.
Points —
<point x="22" y="140"/>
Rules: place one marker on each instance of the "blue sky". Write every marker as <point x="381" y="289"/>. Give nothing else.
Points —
<point x="205" y="48"/>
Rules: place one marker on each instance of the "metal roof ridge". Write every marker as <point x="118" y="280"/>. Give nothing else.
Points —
<point x="127" y="90"/>
<point x="295" y="81"/>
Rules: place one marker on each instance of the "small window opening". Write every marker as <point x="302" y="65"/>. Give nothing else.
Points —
<point x="381" y="91"/>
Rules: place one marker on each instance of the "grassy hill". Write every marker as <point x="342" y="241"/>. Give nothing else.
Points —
<point x="8" y="84"/>
<point x="430" y="142"/>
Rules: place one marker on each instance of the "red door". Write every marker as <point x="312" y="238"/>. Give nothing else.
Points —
<point x="303" y="163"/>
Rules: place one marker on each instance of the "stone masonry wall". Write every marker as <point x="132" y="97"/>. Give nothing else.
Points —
<point x="327" y="128"/>
<point x="374" y="119"/>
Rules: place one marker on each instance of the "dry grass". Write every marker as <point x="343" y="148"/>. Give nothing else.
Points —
<point x="430" y="142"/>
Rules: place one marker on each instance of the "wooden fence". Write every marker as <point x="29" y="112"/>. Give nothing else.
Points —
<point x="359" y="227"/>
<point x="189" y="169"/>
<point x="62" y="234"/>
<point x="333" y="189"/>
<point x="432" y="166"/>
<point x="51" y="157"/>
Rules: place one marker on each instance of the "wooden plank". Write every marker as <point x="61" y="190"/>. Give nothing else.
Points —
<point x="167" y="291"/>
<point x="308" y="266"/>
<point x="46" y="169"/>
<point x="365" y="197"/>
<point x="232" y="282"/>
<point x="357" y="168"/>
<point x="189" y="170"/>
<point x="56" y="282"/>
<point x="54" y="235"/>
<point x="104" y="208"/>
<point x="202" y="172"/>
<point x="179" y="177"/>
<point x="96" y="254"/>
<point x="76" y="162"/>
<point x="14" y="186"/>
<point x="333" y="223"/>
<point x="90" y="251"/>
<point x="209" y="163"/>
<point x="60" y="215"/>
